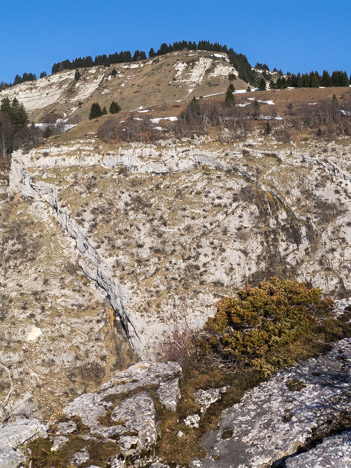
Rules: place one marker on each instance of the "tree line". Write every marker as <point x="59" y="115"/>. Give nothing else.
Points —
<point x="21" y="79"/>
<point x="312" y="80"/>
<point x="239" y="62"/>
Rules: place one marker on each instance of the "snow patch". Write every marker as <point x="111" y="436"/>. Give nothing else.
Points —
<point x="157" y="120"/>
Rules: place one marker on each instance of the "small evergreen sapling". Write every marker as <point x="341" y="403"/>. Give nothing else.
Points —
<point x="229" y="97"/>
<point x="114" y="107"/>
<point x="95" y="111"/>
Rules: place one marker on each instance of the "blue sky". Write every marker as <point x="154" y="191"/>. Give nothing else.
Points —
<point x="295" y="36"/>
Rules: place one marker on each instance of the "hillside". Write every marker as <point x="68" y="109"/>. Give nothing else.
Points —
<point x="177" y="76"/>
<point x="121" y="237"/>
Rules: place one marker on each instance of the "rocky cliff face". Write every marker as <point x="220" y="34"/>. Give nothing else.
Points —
<point x="171" y="228"/>
<point x="108" y="249"/>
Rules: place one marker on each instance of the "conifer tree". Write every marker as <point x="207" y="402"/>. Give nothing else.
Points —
<point x="47" y="132"/>
<point x="257" y="109"/>
<point x="95" y="111"/>
<point x="114" y="107"/>
<point x="262" y="84"/>
<point x="77" y="75"/>
<point x="229" y="98"/>
<point x="268" y="128"/>
<point x="104" y="111"/>
<point x="299" y="81"/>
<point x="326" y="79"/>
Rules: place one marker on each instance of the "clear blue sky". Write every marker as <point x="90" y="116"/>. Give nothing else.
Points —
<point x="295" y="36"/>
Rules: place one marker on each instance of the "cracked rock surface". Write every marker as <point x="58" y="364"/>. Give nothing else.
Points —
<point x="122" y="413"/>
<point x="332" y="452"/>
<point x="15" y="434"/>
<point x="276" y="418"/>
<point x="56" y="340"/>
<point x="166" y="230"/>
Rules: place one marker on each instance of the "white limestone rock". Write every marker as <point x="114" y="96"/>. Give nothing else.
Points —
<point x="332" y="452"/>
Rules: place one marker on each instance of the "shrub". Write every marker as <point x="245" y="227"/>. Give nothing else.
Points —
<point x="256" y="327"/>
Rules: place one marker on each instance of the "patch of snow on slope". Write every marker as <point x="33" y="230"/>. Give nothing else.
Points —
<point x="269" y="102"/>
<point x="157" y="120"/>
<point x="214" y="94"/>
<point x="220" y="56"/>
<point x="269" y="117"/>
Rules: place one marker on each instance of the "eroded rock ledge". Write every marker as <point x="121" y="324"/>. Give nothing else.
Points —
<point x="270" y="425"/>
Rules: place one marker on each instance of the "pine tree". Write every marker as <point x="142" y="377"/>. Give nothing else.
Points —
<point x="315" y="83"/>
<point x="229" y="98"/>
<point x="104" y="111"/>
<point x="18" y="114"/>
<point x="231" y="87"/>
<point x="43" y="74"/>
<point x="6" y="105"/>
<point x="47" y="132"/>
<point x="195" y="107"/>
<point x="262" y="84"/>
<point x="268" y="128"/>
<point x="257" y="109"/>
<point x="77" y="75"/>
<point x="114" y="72"/>
<point x="326" y="79"/>
<point x="114" y="107"/>
<point x="95" y="111"/>
<point x="299" y="81"/>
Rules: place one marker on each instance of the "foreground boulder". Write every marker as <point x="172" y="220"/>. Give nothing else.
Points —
<point x="284" y="414"/>
<point x="116" y="425"/>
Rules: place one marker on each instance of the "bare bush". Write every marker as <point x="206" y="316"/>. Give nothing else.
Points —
<point x="181" y="345"/>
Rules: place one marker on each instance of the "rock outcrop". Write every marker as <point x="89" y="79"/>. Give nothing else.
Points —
<point x="284" y="415"/>
<point x="121" y="417"/>
<point x="166" y="230"/>
<point x="121" y="423"/>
